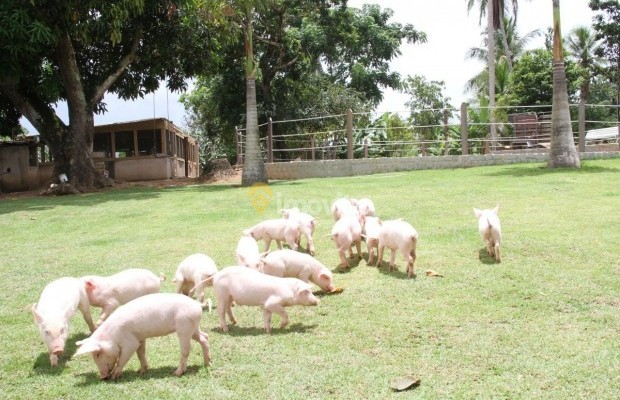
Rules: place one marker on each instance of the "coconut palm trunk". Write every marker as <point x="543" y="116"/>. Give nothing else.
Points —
<point x="562" y="152"/>
<point x="491" y="60"/>
<point x="254" y="170"/>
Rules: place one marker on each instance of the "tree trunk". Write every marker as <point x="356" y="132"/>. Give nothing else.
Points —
<point x="562" y="152"/>
<point x="254" y="170"/>
<point x="491" y="61"/>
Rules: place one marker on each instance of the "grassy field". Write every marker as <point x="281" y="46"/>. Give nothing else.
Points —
<point x="545" y="323"/>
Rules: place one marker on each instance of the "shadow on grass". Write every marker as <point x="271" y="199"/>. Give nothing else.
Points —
<point x="485" y="258"/>
<point x="235" y="330"/>
<point x="528" y="171"/>
<point x="353" y="263"/>
<point x="92" y="378"/>
<point x="42" y="362"/>
<point x="384" y="268"/>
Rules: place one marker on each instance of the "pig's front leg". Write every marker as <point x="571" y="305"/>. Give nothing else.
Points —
<point x="185" y="344"/>
<point x="274" y="305"/>
<point x="358" y="247"/>
<point x="380" y="249"/>
<point x="85" y="310"/>
<point x="106" y="310"/>
<point x="392" y="259"/>
<point x="141" y="352"/>
<point x="127" y="349"/>
<point x="53" y="359"/>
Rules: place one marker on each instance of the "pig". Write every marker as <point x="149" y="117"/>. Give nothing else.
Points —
<point x="191" y="270"/>
<point x="372" y="225"/>
<point x="293" y="264"/>
<point x="344" y="206"/>
<point x="109" y="292"/>
<point x="306" y="222"/>
<point x="126" y="330"/>
<point x="398" y="235"/>
<point x="247" y="253"/>
<point x="247" y="287"/>
<point x="366" y="207"/>
<point x="56" y="306"/>
<point x="280" y="230"/>
<point x="346" y="232"/>
<point x="490" y="230"/>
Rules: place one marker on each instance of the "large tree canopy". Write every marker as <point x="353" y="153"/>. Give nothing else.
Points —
<point x="76" y="51"/>
<point x="315" y="57"/>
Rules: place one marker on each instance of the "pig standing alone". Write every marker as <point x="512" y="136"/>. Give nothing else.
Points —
<point x="127" y="329"/>
<point x="293" y="264"/>
<point x="306" y="222"/>
<point x="490" y="230"/>
<point x="56" y="306"/>
<point x="398" y="235"/>
<point x="280" y="230"/>
<point x="247" y="287"/>
<point x="109" y="292"/>
<point x="193" y="269"/>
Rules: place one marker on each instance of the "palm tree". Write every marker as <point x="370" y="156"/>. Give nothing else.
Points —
<point x="562" y="152"/>
<point x="582" y="46"/>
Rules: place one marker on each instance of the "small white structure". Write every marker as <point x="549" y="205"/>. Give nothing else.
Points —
<point x="602" y="135"/>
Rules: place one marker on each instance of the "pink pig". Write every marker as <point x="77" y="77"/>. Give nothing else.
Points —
<point x="193" y="269"/>
<point x="398" y="235"/>
<point x="372" y="226"/>
<point x="280" y="230"/>
<point x="346" y="232"/>
<point x="247" y="287"/>
<point x="306" y="222"/>
<point x="127" y="329"/>
<point x="56" y="306"/>
<point x="247" y="253"/>
<point x="366" y="207"/>
<point x="293" y="264"/>
<point x="490" y="230"/>
<point x="343" y="206"/>
<point x="109" y="292"/>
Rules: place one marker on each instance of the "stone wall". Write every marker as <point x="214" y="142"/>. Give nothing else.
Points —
<point x="367" y="166"/>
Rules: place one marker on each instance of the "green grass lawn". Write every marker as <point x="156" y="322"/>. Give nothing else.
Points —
<point x="545" y="323"/>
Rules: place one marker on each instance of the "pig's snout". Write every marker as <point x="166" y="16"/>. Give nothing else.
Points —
<point x="58" y="350"/>
<point x="313" y="301"/>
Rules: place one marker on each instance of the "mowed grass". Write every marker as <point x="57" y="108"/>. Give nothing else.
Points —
<point x="545" y="323"/>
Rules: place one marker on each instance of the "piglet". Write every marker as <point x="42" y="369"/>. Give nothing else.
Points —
<point x="127" y="329"/>
<point x="293" y="264"/>
<point x="398" y="235"/>
<point x="109" y="292"/>
<point x="247" y="253"/>
<point x="56" y="306"/>
<point x="193" y="269"/>
<point x="366" y="207"/>
<point x="280" y="230"/>
<point x="343" y="206"/>
<point x="372" y="225"/>
<point x="490" y="230"/>
<point x="306" y="222"/>
<point x="247" y="287"/>
<point x="346" y="232"/>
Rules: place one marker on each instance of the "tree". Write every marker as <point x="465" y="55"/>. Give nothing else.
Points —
<point x="562" y="152"/>
<point x="607" y="28"/>
<point x="78" y="51"/>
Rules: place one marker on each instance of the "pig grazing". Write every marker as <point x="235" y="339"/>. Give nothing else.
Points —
<point x="490" y="230"/>
<point x="398" y="235"/>
<point x="109" y="292"/>
<point x="247" y="253"/>
<point x="191" y="270"/>
<point x="127" y="329"/>
<point x="366" y="207"/>
<point x="344" y="206"/>
<point x="372" y="225"/>
<point x="306" y="222"/>
<point x="52" y="313"/>
<point x="247" y="287"/>
<point x="280" y="230"/>
<point x="346" y="232"/>
<point x="293" y="264"/>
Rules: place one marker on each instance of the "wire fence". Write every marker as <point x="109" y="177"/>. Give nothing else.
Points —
<point x="452" y="132"/>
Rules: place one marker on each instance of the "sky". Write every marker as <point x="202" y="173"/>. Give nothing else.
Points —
<point x="450" y="31"/>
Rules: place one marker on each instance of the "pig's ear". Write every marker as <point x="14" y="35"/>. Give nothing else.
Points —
<point x="496" y="209"/>
<point x="477" y="212"/>
<point x="35" y="314"/>
<point x="89" y="285"/>
<point x="323" y="276"/>
<point x="87" y="346"/>
<point x="241" y="259"/>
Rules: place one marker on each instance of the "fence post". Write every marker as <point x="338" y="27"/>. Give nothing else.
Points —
<point x="270" y="140"/>
<point x="365" y="148"/>
<point x="464" y="132"/>
<point x="350" y="134"/>
<point x="445" y="132"/>
<point x="312" y="146"/>
<point x="582" y="126"/>
<point x="423" y="148"/>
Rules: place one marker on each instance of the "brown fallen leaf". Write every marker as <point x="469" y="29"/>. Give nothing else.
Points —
<point x="430" y="272"/>
<point x="404" y="383"/>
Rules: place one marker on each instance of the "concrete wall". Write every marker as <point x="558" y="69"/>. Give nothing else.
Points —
<point x="142" y="169"/>
<point x="367" y="166"/>
<point x="16" y="158"/>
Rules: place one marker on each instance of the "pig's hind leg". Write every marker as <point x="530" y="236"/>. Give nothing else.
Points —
<point x="203" y="339"/>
